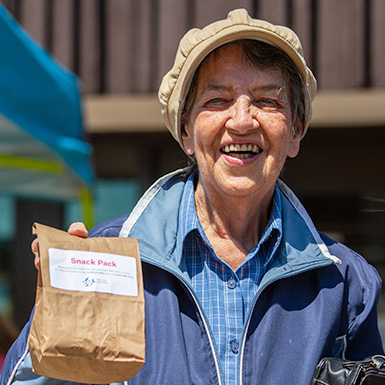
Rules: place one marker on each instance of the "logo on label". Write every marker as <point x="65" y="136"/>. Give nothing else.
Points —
<point x="88" y="282"/>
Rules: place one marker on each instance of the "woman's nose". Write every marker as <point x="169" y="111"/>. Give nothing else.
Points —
<point x="243" y="116"/>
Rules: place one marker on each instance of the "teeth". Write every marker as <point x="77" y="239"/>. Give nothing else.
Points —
<point x="244" y="148"/>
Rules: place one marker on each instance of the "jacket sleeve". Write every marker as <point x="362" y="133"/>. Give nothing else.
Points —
<point x="363" y="286"/>
<point x="15" y="355"/>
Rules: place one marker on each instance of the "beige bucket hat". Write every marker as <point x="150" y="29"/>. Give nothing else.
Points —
<point x="198" y="43"/>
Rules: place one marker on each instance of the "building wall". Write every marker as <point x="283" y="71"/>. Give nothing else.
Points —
<point x="125" y="46"/>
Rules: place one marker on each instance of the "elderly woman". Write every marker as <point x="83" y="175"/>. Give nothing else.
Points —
<point x="240" y="288"/>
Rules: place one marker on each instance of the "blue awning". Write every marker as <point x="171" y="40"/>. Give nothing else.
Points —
<point x="42" y="148"/>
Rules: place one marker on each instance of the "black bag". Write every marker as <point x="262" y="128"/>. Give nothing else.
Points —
<point x="336" y="371"/>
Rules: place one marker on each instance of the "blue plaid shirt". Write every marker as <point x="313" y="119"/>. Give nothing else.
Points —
<point x="225" y="296"/>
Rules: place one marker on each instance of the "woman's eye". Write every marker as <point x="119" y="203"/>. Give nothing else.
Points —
<point x="268" y="101"/>
<point x="216" y="101"/>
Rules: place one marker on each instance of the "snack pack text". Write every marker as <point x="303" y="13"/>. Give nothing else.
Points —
<point x="94" y="262"/>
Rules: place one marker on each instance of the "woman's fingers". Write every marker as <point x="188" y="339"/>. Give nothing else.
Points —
<point x="77" y="228"/>
<point x="35" y="251"/>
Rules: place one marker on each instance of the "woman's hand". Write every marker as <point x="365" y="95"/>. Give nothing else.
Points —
<point x="77" y="228"/>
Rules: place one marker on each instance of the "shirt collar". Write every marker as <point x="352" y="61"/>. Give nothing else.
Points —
<point x="188" y="222"/>
<point x="188" y="218"/>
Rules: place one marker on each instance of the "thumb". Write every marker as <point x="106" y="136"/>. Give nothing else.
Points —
<point x="78" y="229"/>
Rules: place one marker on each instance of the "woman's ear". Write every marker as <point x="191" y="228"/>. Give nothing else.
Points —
<point x="188" y="139"/>
<point x="295" y="140"/>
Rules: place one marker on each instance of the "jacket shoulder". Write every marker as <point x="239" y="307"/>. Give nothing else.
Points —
<point x="353" y="262"/>
<point x="110" y="228"/>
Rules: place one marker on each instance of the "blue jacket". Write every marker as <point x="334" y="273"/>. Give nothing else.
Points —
<point x="318" y="299"/>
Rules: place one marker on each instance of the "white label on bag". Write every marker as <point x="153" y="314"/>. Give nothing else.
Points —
<point x="93" y="271"/>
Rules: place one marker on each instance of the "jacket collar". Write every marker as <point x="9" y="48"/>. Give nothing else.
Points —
<point x="154" y="222"/>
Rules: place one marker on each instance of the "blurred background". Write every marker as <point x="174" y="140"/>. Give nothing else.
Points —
<point x="111" y="144"/>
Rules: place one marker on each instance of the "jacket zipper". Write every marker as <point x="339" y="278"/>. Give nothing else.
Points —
<point x="207" y="330"/>
<point x="200" y="313"/>
<point x="247" y="328"/>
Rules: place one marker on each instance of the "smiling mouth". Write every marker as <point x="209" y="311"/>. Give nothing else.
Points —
<point x="241" y="151"/>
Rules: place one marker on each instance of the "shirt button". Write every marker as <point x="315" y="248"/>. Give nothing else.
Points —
<point x="234" y="346"/>
<point x="231" y="283"/>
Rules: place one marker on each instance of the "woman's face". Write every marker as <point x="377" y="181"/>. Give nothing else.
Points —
<point x="240" y="125"/>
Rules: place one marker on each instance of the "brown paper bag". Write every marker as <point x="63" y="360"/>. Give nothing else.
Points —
<point x="88" y="324"/>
